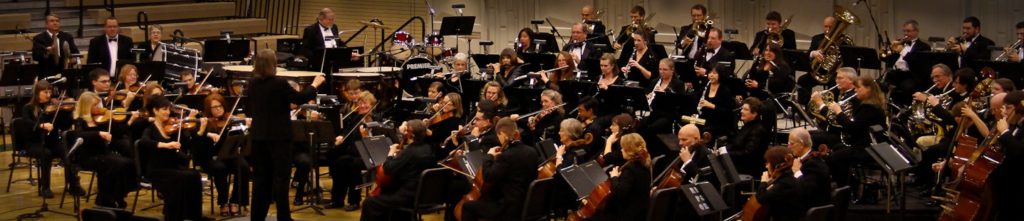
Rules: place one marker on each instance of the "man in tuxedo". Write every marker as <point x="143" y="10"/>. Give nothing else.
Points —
<point x="1015" y="57"/>
<point x="693" y="154"/>
<point x="110" y="47"/>
<point x="1006" y="180"/>
<point x="773" y="22"/>
<point x="716" y="54"/>
<point x="320" y="35"/>
<point x="688" y="41"/>
<point x="595" y="26"/>
<point x="811" y="172"/>
<point x="509" y="170"/>
<point x="971" y="46"/>
<point x="51" y="53"/>
<point x="579" y="47"/>
<point x="899" y="78"/>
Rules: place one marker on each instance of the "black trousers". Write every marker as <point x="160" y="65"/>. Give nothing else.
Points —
<point x="345" y="173"/>
<point x="182" y="191"/>
<point x="45" y="153"/>
<point x="483" y="209"/>
<point x="303" y="165"/>
<point x="116" y="175"/>
<point x="457" y="188"/>
<point x="272" y="165"/>
<point x="219" y="169"/>
<point x="374" y="208"/>
<point x="842" y="158"/>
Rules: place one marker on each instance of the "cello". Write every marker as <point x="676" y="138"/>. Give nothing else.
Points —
<point x="478" y="186"/>
<point x="670" y="177"/>
<point x="969" y="196"/>
<point x="550" y="167"/>
<point x="383" y="180"/>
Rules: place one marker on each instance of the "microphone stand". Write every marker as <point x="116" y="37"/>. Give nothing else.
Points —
<point x="875" y="23"/>
<point x="555" y="30"/>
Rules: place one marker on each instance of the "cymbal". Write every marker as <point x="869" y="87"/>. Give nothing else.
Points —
<point x="373" y="24"/>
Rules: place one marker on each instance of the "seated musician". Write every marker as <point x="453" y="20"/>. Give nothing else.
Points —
<point x="828" y="133"/>
<point x="689" y="40"/>
<point x="444" y="120"/>
<point x="524" y="41"/>
<point x="621" y="124"/>
<point x="624" y="41"/>
<point x="810" y="170"/>
<point x="544" y="124"/>
<point x="1005" y="179"/>
<point x="116" y="173"/>
<point x="481" y="137"/>
<point x="44" y="142"/>
<point x="345" y="163"/>
<point x="208" y="154"/>
<point x="717" y="103"/>
<point x="406" y="160"/>
<point x="492" y="91"/>
<point x="752" y="139"/>
<point x="1002" y="85"/>
<point x="351" y="91"/>
<point x="714" y="54"/>
<point x="631" y="182"/>
<point x="508" y="173"/>
<point x="609" y="74"/>
<point x="168" y="165"/>
<point x="773" y="24"/>
<point x="509" y="67"/>
<point x="868" y="110"/>
<point x="770" y="77"/>
<point x="904" y="50"/>
<point x="807" y="81"/>
<point x="642" y="65"/>
<point x="464" y="68"/>
<point x="943" y="106"/>
<point x="573" y="144"/>
<point x="562" y="60"/>
<point x="129" y="78"/>
<point x="664" y="107"/>
<point x="693" y="154"/>
<point x="1016" y="57"/>
<point x="589" y="114"/>
<point x="971" y="46"/>
<point x="779" y="190"/>
<point x="942" y="79"/>
<point x="100" y="81"/>
<point x="153" y="47"/>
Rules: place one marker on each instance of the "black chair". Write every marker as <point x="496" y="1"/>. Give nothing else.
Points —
<point x="67" y="137"/>
<point x="663" y="204"/>
<point x="535" y="207"/>
<point x="430" y="193"/>
<point x="841" y="200"/>
<point x="20" y="130"/>
<point x="657" y="165"/>
<point x="98" y="214"/>
<point x="143" y="185"/>
<point x="820" y="213"/>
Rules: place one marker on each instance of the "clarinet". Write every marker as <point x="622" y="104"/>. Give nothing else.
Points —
<point x="705" y="93"/>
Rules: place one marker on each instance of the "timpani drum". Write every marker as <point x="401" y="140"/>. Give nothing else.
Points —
<point x="301" y="77"/>
<point x="242" y="72"/>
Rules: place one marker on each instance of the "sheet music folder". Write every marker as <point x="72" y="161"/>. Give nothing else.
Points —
<point x="373" y="150"/>
<point x="583" y="178"/>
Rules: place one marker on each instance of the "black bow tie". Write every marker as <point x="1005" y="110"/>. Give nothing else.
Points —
<point x="112" y="39"/>
<point x="327" y="29"/>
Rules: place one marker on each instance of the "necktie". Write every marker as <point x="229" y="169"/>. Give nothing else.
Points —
<point x="56" y="47"/>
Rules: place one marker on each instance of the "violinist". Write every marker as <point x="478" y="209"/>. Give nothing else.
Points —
<point x="509" y="67"/>
<point x="770" y="76"/>
<point x="508" y="172"/>
<point x="779" y="191"/>
<point x="44" y="142"/>
<point x="642" y="65"/>
<point x="100" y="80"/>
<point x="631" y="182"/>
<point x="447" y="118"/>
<point x="752" y="139"/>
<point x="545" y="123"/>
<point x="209" y="147"/>
<point x="562" y="60"/>
<point x="405" y="162"/>
<point x="129" y="78"/>
<point x="116" y="173"/>
<point x="351" y="91"/>
<point x="869" y="109"/>
<point x="621" y="124"/>
<point x="169" y="162"/>
<point x="345" y="163"/>
<point x="188" y="79"/>
<point x="481" y="136"/>
<point x="435" y="92"/>
<point x="810" y="170"/>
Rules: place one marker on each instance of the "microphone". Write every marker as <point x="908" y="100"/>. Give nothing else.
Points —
<point x="78" y="142"/>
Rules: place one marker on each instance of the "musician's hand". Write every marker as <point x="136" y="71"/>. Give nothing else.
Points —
<point x="475" y="132"/>
<point x="248" y="122"/>
<point x="752" y="84"/>
<point x="918" y="96"/>
<point x="338" y="140"/>
<point x="363" y="131"/>
<point x="707" y="104"/>
<point x="616" y="46"/>
<point x="755" y="52"/>
<point x="213" y="136"/>
<point x="544" y="76"/>
<point x="106" y="136"/>
<point x="135" y="116"/>
<point x="318" y="80"/>
<point x="765" y="178"/>
<point x="685" y="155"/>
<point x="1002" y="125"/>
<point x="46" y="126"/>
<point x="817" y="55"/>
<point x="174" y="145"/>
<point x="313" y="115"/>
<point x="532" y="122"/>
<point x="602" y="86"/>
<point x="687" y="40"/>
<point x="624" y="69"/>
<point x="615" y="172"/>
<point x="393" y="150"/>
<point x="613" y="138"/>
<point x="355" y="56"/>
<point x="494" y="66"/>
<point x="835" y="108"/>
<point x="937" y="166"/>
<point x="796" y="166"/>
<point x="967" y="111"/>
<point x="932" y="101"/>
<point x="514" y="117"/>
<point x="700" y="71"/>
<point x="1014" y="57"/>
<point x="816" y="98"/>
<point x="454" y="137"/>
<point x="633" y="63"/>
<point x="204" y="121"/>
<point x="494" y="151"/>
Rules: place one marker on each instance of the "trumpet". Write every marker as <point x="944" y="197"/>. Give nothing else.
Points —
<point x="957" y="41"/>
<point x="699" y="29"/>
<point x="894" y="48"/>
<point x="1013" y="49"/>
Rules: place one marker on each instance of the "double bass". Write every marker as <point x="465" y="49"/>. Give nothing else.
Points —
<point x="969" y="196"/>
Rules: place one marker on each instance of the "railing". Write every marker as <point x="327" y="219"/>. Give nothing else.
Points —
<point x="81" y="15"/>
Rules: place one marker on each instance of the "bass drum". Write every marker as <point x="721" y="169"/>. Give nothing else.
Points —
<point x="400" y="52"/>
<point x="416" y="67"/>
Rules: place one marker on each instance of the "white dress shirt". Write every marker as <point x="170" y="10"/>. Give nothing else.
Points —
<point x="112" y="48"/>
<point x="901" y="63"/>
<point x="693" y="47"/>
<point x="328" y="42"/>
<point x="56" y="39"/>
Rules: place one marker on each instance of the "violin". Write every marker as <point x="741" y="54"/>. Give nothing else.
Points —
<point x="441" y="115"/>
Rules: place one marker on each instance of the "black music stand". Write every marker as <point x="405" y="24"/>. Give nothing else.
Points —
<point x="685" y="70"/>
<point x="738" y="49"/>
<point x="538" y="61"/>
<point x="629" y="98"/>
<point x="483" y="59"/>
<point x="457" y="26"/>
<point x="225" y="50"/>
<point x="860" y="58"/>
<point x="921" y="65"/>
<point x="314" y="132"/>
<point x="1003" y="69"/>
<point x="328" y="61"/>
<point x="703" y="198"/>
<point x="547" y="148"/>
<point x="799" y="60"/>
<point x="373" y="150"/>
<point x="19" y="74"/>
<point x="574" y="90"/>
<point x="583" y="178"/>
<point x="525" y="99"/>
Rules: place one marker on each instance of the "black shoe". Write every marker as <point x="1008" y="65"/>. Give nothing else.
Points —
<point x="46" y="193"/>
<point x="298" y="201"/>
<point x="76" y="190"/>
<point x="351" y="207"/>
<point x="334" y="205"/>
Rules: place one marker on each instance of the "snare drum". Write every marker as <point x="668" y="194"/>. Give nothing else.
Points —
<point x="434" y="45"/>
<point x="402" y="37"/>
<point x="400" y="52"/>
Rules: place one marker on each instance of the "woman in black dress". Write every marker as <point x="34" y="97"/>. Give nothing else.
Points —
<point x="642" y="66"/>
<point x="168" y="143"/>
<point x="44" y="141"/>
<point x="716" y="105"/>
<point x="747" y="147"/>
<point x="219" y="162"/>
<point x="116" y="173"/>
<point x="621" y="124"/>
<point x="779" y="191"/>
<point x="631" y="182"/>
<point x="869" y="110"/>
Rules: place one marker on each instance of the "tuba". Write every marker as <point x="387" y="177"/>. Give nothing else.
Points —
<point x="824" y="70"/>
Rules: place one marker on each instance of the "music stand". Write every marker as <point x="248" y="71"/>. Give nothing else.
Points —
<point x="225" y="50"/>
<point x="738" y="49"/>
<point x="538" y="61"/>
<point x="799" y="60"/>
<point x="547" y="148"/>
<point x="574" y="90"/>
<point x="458" y="26"/>
<point x="860" y="58"/>
<point x="1003" y="69"/>
<point x="921" y="65"/>
<point x="583" y="178"/>
<point x="332" y="59"/>
<point x="704" y="199"/>
<point x="315" y="132"/>
<point x="685" y="70"/>
<point x="629" y="98"/>
<point x="373" y="150"/>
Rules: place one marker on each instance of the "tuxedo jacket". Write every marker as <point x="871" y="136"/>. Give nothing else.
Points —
<point x="47" y="64"/>
<point x="100" y="53"/>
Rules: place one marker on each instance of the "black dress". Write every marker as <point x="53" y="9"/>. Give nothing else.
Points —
<point x="509" y="176"/>
<point x="747" y="148"/>
<point x="649" y="60"/>
<point x="630" y="193"/>
<point x="117" y="174"/>
<point x="780" y="197"/>
<point x="720" y="121"/>
<point x="404" y="170"/>
<point x="168" y="169"/>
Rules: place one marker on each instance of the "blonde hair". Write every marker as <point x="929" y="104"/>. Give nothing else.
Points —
<point x="634" y="149"/>
<point x="555" y="97"/>
<point x="121" y="75"/>
<point x="86" y="101"/>
<point x="265" y="64"/>
<point x="368" y="97"/>
<point x="456" y="100"/>
<point x="502" y="100"/>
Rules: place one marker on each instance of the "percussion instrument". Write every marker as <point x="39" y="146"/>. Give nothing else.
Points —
<point x="415" y="68"/>
<point x="301" y="77"/>
<point x="401" y="52"/>
<point x="242" y="72"/>
<point x="434" y="45"/>
<point x="402" y="37"/>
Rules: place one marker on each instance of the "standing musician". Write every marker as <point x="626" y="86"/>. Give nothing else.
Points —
<point x="779" y="190"/>
<point x="321" y="35"/>
<point x="828" y="133"/>
<point x="714" y="54"/>
<point x="580" y="50"/>
<point x="594" y="25"/>
<point x="403" y="166"/>
<point x="53" y="48"/>
<point x="116" y="173"/>
<point x="110" y="47"/>
<point x="44" y="142"/>
<point x="689" y="40"/>
<point x="508" y="173"/>
<point x="154" y="48"/>
<point x="268" y="101"/>
<point x="770" y="76"/>
<point x="810" y="170"/>
<point x="899" y="76"/>
<point x="773" y="24"/>
<point x="508" y="68"/>
<point x="971" y="46"/>
<point x="642" y="64"/>
<point x="345" y="163"/>
<point x="716" y="104"/>
<point x="807" y="82"/>
<point x="637" y="25"/>
<point x="868" y="110"/>
<point x="661" y="96"/>
<point x="621" y="124"/>
<point x="562" y="60"/>
<point x="168" y="166"/>
<point x="208" y="149"/>
<point x="752" y="139"/>
<point x="631" y="183"/>
<point x="1005" y="179"/>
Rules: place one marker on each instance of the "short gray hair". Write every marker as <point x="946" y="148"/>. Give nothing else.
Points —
<point x="803" y="136"/>
<point x="847" y="72"/>
<point x="462" y="57"/>
<point x="944" y="68"/>
<point x="573" y="127"/>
